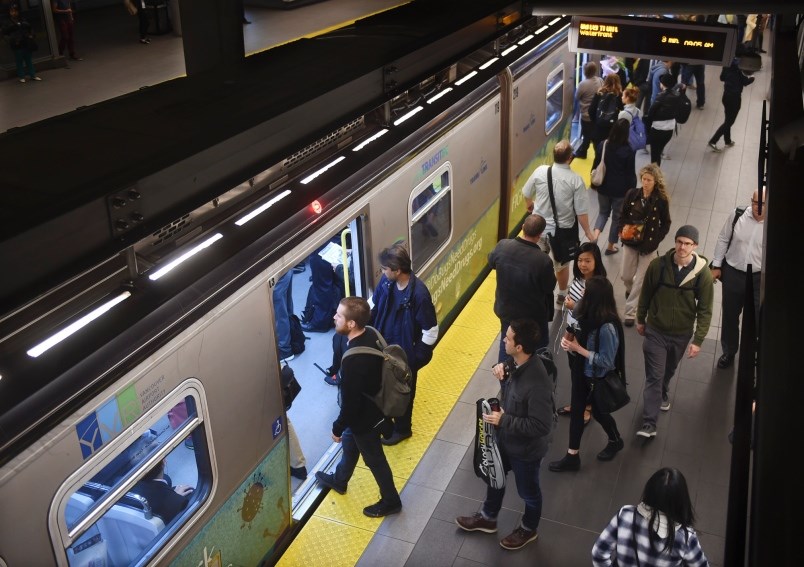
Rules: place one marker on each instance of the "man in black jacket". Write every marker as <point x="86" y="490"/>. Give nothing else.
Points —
<point x="525" y="280"/>
<point x="360" y="421"/>
<point x="733" y="82"/>
<point x="166" y="501"/>
<point x="524" y="430"/>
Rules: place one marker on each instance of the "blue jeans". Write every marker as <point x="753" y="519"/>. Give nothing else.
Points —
<point x="697" y="71"/>
<point x="526" y="476"/>
<point x="22" y="57"/>
<point x="283" y="309"/>
<point x="370" y="446"/>
<point x="609" y="206"/>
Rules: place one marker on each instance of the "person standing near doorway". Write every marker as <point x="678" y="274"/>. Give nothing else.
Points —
<point x="583" y="95"/>
<point x="65" y="21"/>
<point x="19" y="34"/>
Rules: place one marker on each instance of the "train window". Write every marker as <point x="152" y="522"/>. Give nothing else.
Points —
<point x="555" y="99"/>
<point x="430" y="217"/>
<point x="122" y="506"/>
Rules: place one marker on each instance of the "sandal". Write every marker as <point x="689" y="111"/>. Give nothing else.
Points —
<point x="564" y="410"/>
<point x="587" y="415"/>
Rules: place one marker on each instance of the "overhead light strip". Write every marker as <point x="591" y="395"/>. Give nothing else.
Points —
<point x="404" y="117"/>
<point x="509" y="50"/>
<point x="313" y="175"/>
<point x="55" y="339"/>
<point x="366" y="142"/>
<point x="262" y="208"/>
<point x="439" y="95"/>
<point x="489" y="63"/>
<point x="187" y="255"/>
<point x="462" y="80"/>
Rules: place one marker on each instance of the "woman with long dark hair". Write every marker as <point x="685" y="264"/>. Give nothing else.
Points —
<point x="608" y="100"/>
<point x="658" y="531"/>
<point x="599" y="347"/>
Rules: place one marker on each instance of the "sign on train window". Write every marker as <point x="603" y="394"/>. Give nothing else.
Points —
<point x="430" y="217"/>
<point x="555" y="99"/>
<point x="124" y="503"/>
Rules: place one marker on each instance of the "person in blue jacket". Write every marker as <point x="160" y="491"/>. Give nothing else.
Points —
<point x="402" y="310"/>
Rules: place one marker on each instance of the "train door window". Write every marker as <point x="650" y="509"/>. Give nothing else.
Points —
<point x="555" y="99"/>
<point x="132" y="496"/>
<point x="430" y="217"/>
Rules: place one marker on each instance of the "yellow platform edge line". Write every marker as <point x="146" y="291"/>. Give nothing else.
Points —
<point x="319" y="541"/>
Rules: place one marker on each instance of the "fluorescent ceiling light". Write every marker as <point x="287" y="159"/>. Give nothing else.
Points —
<point x="488" y="63"/>
<point x="466" y="78"/>
<point x="553" y="21"/>
<point x="541" y="29"/>
<point x="315" y="174"/>
<point x="262" y="208"/>
<point x="524" y="40"/>
<point x="82" y="322"/>
<point x="365" y="143"/>
<point x="189" y="254"/>
<point x="404" y="117"/>
<point x="509" y="50"/>
<point x="439" y="95"/>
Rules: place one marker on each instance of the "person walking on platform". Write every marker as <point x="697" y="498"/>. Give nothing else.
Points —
<point x="360" y="422"/>
<point x="583" y="95"/>
<point x="734" y="80"/>
<point x="64" y="18"/>
<point x="643" y="224"/>
<point x="403" y="312"/>
<point x="739" y="244"/>
<point x="142" y="19"/>
<point x="638" y="78"/>
<point x="571" y="205"/>
<point x="696" y="72"/>
<point x="657" y="531"/>
<point x="661" y="118"/>
<point x="598" y="347"/>
<point x="524" y="431"/>
<point x="619" y="159"/>
<point x="675" y="305"/>
<point x="606" y="105"/>
<point x="525" y="281"/>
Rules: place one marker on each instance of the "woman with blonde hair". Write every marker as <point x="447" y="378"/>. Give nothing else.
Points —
<point x="643" y="224"/>
<point x="605" y="107"/>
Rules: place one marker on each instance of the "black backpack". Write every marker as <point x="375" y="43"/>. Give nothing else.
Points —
<point x="297" y="336"/>
<point x="607" y="110"/>
<point x="684" y="105"/>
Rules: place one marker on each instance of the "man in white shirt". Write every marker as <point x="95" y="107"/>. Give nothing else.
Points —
<point x="571" y="202"/>
<point x="739" y="245"/>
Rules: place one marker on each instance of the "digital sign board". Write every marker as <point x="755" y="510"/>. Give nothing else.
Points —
<point x="648" y="38"/>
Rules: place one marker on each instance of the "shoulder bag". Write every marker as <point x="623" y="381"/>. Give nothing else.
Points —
<point x="564" y="242"/>
<point x="599" y="173"/>
<point x="609" y="392"/>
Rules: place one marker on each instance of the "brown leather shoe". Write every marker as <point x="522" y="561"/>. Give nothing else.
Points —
<point x="519" y="538"/>
<point x="476" y="523"/>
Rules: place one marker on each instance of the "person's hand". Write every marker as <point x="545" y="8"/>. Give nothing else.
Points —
<point x="183" y="489"/>
<point x="336" y="439"/>
<point x="693" y="351"/>
<point x="498" y="371"/>
<point x="716" y="274"/>
<point x="571" y="346"/>
<point x="493" y="417"/>
<point x="641" y="329"/>
<point x="569" y="303"/>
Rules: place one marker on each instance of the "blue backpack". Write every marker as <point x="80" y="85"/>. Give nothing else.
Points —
<point x="637" y="136"/>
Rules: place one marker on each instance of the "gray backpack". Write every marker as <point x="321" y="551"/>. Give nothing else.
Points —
<point x="394" y="395"/>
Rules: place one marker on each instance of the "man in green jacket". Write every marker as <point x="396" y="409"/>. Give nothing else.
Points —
<point x="675" y="305"/>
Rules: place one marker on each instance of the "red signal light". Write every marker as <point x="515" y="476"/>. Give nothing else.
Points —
<point x="316" y="206"/>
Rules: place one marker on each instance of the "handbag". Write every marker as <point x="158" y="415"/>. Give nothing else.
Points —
<point x="633" y="233"/>
<point x="609" y="392"/>
<point x="599" y="173"/>
<point x="564" y="242"/>
<point x="290" y="386"/>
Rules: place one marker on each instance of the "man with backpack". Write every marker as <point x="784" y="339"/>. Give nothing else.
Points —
<point x="739" y="244"/>
<point x="403" y="312"/>
<point x="360" y="422"/>
<point x="661" y="118"/>
<point x="675" y="305"/>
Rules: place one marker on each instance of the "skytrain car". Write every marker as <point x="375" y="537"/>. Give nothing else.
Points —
<point x="148" y="427"/>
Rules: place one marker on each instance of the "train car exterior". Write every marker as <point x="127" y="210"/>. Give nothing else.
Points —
<point x="203" y="407"/>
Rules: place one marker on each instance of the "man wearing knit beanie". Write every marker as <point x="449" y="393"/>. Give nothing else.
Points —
<point x="675" y="306"/>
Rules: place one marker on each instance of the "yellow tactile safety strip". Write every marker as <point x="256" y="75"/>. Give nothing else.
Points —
<point x="338" y="532"/>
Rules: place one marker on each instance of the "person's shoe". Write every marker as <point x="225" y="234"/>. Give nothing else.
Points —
<point x="714" y="147"/>
<point x="300" y="472"/>
<point x="700" y="107"/>
<point x="725" y="361"/>
<point x="628" y="322"/>
<point x="189" y="443"/>
<point x="730" y="144"/>
<point x="519" y="538"/>
<point x="381" y="509"/>
<point x="288" y="358"/>
<point x="611" y="449"/>
<point x="77" y="58"/>
<point x="610" y="251"/>
<point x="37" y="78"/>
<point x="22" y="80"/>
<point x="397" y="437"/>
<point x="665" y="406"/>
<point x="568" y="463"/>
<point x="245" y="21"/>
<point x="145" y="41"/>
<point x="476" y="523"/>
<point x="328" y="480"/>
<point x="560" y="298"/>
<point x="647" y="430"/>
<point x="332" y="380"/>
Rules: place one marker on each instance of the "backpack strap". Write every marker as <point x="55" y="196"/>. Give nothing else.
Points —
<point x="552" y="197"/>
<point x="381" y="342"/>
<point x="738" y="212"/>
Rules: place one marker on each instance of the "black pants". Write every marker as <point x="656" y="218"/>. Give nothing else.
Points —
<point x="733" y="302"/>
<point x="586" y="137"/>
<point x="580" y="397"/>
<point x="731" y="107"/>
<point x="658" y="139"/>
<point x="143" y="17"/>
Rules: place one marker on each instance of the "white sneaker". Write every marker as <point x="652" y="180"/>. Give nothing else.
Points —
<point x="36" y="78"/>
<point x="714" y="147"/>
<point x="289" y="358"/>
<point x="22" y="80"/>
